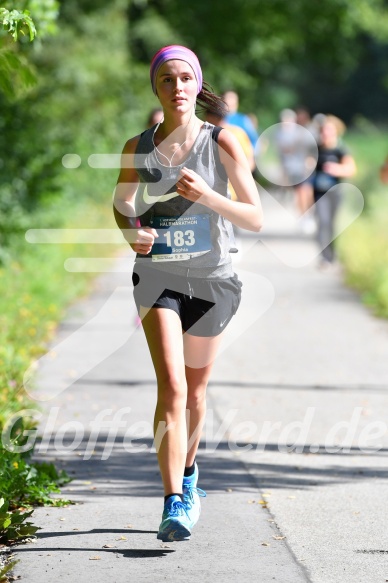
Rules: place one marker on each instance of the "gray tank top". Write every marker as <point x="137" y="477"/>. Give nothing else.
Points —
<point x="158" y="205"/>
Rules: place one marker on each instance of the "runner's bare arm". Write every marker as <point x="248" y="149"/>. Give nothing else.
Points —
<point x="141" y="240"/>
<point x="245" y="212"/>
<point x="344" y="169"/>
<point x="126" y="187"/>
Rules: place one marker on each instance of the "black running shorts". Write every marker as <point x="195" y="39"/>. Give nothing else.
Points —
<point x="204" y="305"/>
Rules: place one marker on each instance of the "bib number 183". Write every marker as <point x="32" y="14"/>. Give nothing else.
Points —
<point x="179" y="238"/>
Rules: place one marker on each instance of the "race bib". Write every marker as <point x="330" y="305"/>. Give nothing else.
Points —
<point x="181" y="238"/>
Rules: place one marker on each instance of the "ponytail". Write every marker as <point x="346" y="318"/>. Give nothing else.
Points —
<point x="207" y="100"/>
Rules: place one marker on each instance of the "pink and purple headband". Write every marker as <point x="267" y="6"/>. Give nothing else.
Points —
<point x="175" y="52"/>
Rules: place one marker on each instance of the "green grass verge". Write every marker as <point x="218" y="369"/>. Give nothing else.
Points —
<point x="35" y="290"/>
<point x="363" y="247"/>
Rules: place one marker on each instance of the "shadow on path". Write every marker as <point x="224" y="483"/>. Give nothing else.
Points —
<point x="95" y="531"/>
<point x="244" y="385"/>
<point x="134" y="471"/>
<point x="126" y="553"/>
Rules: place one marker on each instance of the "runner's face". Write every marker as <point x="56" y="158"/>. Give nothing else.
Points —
<point x="328" y="134"/>
<point x="176" y="86"/>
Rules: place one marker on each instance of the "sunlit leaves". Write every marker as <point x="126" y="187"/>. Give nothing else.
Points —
<point x="16" y="22"/>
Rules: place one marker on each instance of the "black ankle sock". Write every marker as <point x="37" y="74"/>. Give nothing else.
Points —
<point x="190" y="470"/>
<point x="173" y="494"/>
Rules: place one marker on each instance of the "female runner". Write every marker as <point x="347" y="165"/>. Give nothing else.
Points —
<point x="172" y="203"/>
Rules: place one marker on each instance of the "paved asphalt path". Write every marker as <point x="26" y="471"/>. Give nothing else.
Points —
<point x="293" y="457"/>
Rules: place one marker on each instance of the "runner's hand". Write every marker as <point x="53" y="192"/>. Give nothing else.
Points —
<point x="191" y="185"/>
<point x="144" y="240"/>
<point x="332" y="168"/>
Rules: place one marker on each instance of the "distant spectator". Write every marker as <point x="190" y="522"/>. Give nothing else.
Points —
<point x="286" y="144"/>
<point x="334" y="162"/>
<point x="218" y="119"/>
<point x="320" y="118"/>
<point x="296" y="149"/>
<point x="236" y="118"/>
<point x="303" y="117"/>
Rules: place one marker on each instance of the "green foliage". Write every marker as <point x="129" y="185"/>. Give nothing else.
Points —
<point x="34" y="291"/>
<point x="364" y="252"/>
<point x="254" y="45"/>
<point x="16" y="23"/>
<point x="13" y="525"/>
<point x="363" y="247"/>
<point x="15" y="73"/>
<point x="6" y="569"/>
<point x="369" y="146"/>
<point x="83" y="103"/>
<point x="26" y="483"/>
<point x="29" y="164"/>
<point x="45" y="14"/>
<point x="36" y="17"/>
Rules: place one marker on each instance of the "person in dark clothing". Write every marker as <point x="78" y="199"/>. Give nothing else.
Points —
<point x="334" y="163"/>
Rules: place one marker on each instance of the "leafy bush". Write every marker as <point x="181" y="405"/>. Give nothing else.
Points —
<point x="16" y="22"/>
<point x="23" y="482"/>
<point x="6" y="569"/>
<point x="12" y="524"/>
<point x="31" y="483"/>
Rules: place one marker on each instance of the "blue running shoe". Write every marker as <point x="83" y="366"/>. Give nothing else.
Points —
<point x="191" y="496"/>
<point x="175" y="521"/>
